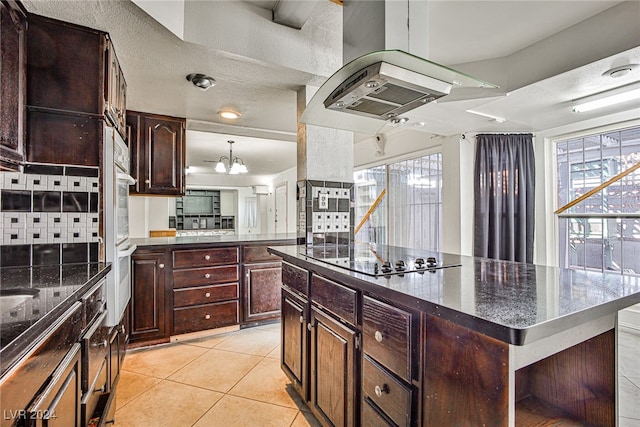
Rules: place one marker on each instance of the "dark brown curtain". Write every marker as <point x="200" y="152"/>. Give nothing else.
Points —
<point x="504" y="197"/>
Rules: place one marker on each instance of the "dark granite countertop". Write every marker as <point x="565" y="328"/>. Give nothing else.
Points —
<point x="516" y="303"/>
<point x="223" y="239"/>
<point x="34" y="297"/>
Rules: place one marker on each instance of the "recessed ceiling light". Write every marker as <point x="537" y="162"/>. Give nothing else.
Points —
<point x="201" y="81"/>
<point x="229" y="114"/>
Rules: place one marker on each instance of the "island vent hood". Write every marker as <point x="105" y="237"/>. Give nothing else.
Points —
<point x="377" y="88"/>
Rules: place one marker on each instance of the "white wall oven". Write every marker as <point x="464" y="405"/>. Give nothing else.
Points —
<point x="118" y="248"/>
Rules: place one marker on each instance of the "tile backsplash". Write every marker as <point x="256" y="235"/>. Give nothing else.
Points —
<point x="325" y="212"/>
<point x="49" y="214"/>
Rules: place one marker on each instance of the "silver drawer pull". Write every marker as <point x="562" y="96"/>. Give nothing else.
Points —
<point x="207" y="295"/>
<point x="301" y="319"/>
<point x="102" y="389"/>
<point x="381" y="390"/>
<point x="206" y="276"/>
<point x="207" y="257"/>
<point x="378" y="336"/>
<point x="100" y="344"/>
<point x="161" y="266"/>
<point x="309" y="326"/>
<point x="207" y="316"/>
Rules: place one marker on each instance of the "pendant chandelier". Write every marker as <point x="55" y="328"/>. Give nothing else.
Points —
<point x="232" y="165"/>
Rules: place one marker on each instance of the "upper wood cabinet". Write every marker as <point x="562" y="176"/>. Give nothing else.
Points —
<point x="115" y="91"/>
<point x="74" y="82"/>
<point x="12" y="84"/>
<point x="157" y="146"/>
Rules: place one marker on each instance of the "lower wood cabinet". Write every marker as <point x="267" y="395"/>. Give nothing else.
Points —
<point x="148" y="320"/>
<point x="294" y="346"/>
<point x="59" y="402"/>
<point x="333" y="370"/>
<point x="262" y="283"/>
<point x="207" y="316"/>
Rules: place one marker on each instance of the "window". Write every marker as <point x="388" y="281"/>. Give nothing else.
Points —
<point x="411" y="211"/>
<point x="603" y="231"/>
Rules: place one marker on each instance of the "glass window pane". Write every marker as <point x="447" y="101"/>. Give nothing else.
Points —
<point x="612" y="243"/>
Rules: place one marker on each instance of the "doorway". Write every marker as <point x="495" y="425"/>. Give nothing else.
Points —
<point x="281" y="208"/>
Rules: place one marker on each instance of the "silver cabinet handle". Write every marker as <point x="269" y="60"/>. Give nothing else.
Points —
<point x="161" y="266"/>
<point x="378" y="336"/>
<point x="309" y="326"/>
<point x="207" y="295"/>
<point x="380" y="390"/>
<point x="207" y="257"/>
<point x="301" y="319"/>
<point x="207" y="316"/>
<point x="147" y="181"/>
<point x="206" y="276"/>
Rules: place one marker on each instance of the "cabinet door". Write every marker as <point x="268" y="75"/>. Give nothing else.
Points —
<point x="164" y="156"/>
<point x="12" y="85"/>
<point x="148" y="297"/>
<point x="294" y="346"/>
<point x="262" y="283"/>
<point x="59" y="403"/>
<point x="111" y="84"/>
<point x="333" y="367"/>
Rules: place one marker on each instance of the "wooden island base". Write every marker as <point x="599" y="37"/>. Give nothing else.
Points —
<point x="469" y="379"/>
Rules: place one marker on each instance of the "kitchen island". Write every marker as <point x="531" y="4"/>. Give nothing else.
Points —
<point x="193" y="284"/>
<point x="452" y="341"/>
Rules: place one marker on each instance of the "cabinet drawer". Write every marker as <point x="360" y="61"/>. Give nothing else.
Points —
<point x="208" y="316"/>
<point x="204" y="276"/>
<point x="258" y="254"/>
<point x="204" y="294"/>
<point x="96" y="391"/>
<point x="93" y="302"/>
<point x="205" y="257"/>
<point x="59" y="402"/>
<point x="295" y="278"/>
<point x="371" y="417"/>
<point x="387" y="336"/>
<point x="95" y="351"/>
<point x="335" y="298"/>
<point x="391" y="395"/>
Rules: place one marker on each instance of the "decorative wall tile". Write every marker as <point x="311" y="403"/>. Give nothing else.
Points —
<point x="48" y="206"/>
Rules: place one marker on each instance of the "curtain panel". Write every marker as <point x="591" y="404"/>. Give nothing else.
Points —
<point x="504" y="197"/>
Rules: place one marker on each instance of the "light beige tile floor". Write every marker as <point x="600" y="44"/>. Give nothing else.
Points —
<point x="234" y="379"/>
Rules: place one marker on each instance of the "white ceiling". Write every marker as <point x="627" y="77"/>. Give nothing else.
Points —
<point x="543" y="53"/>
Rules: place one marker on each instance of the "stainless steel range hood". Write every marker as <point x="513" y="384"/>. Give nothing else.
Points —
<point x="369" y="91"/>
<point x="377" y="88"/>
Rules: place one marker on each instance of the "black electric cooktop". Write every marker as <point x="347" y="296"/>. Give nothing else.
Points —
<point x="381" y="260"/>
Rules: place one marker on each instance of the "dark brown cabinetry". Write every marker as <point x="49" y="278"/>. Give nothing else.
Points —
<point x="157" y="153"/>
<point x="333" y="365"/>
<point x="352" y="357"/>
<point x="115" y="91"/>
<point x="58" y="404"/>
<point x="389" y="336"/>
<point x="294" y="338"/>
<point x="65" y="92"/>
<point x="205" y="289"/>
<point x="324" y="371"/>
<point x="149" y="322"/>
<point x="12" y="84"/>
<point x="262" y="283"/>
